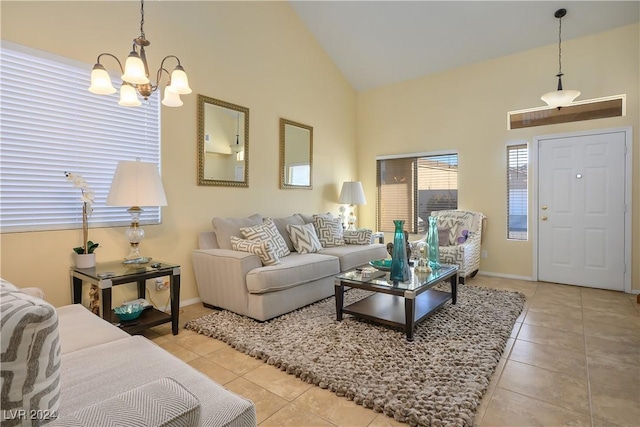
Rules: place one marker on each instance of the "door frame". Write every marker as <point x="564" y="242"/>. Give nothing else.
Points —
<point x="535" y="212"/>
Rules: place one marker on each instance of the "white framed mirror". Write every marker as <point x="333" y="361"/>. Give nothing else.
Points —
<point x="296" y="155"/>
<point x="223" y="143"/>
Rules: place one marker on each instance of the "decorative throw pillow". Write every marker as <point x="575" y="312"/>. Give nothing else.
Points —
<point x="450" y="223"/>
<point x="443" y="236"/>
<point x="263" y="249"/>
<point x="329" y="231"/>
<point x="462" y="234"/>
<point x="308" y="219"/>
<point x="281" y="225"/>
<point x="227" y="227"/>
<point x="267" y="232"/>
<point x="357" y="237"/>
<point x="304" y="238"/>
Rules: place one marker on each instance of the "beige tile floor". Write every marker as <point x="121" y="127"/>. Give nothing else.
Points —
<point x="573" y="359"/>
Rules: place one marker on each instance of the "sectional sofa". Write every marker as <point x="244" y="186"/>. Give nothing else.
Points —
<point x="242" y="282"/>
<point x="69" y="367"/>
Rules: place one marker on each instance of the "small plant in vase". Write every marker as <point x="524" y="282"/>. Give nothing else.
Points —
<point x="84" y="255"/>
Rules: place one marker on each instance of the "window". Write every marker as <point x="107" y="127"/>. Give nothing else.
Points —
<point x="410" y="188"/>
<point x="51" y="123"/>
<point x="517" y="165"/>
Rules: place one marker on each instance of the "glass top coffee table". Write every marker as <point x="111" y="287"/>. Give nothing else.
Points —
<point x="386" y="304"/>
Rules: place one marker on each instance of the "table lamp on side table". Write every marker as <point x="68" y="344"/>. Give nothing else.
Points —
<point x="136" y="184"/>
<point x="352" y="194"/>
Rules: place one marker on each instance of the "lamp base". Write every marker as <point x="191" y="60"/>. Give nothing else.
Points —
<point x="351" y="221"/>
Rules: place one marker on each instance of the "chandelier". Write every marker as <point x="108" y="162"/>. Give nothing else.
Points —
<point x="560" y="98"/>
<point x="135" y="75"/>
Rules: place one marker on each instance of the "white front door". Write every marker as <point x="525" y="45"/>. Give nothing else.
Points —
<point x="581" y="210"/>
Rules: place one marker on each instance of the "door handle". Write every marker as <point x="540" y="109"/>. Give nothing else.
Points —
<point x="543" y="207"/>
<point x="544" y="218"/>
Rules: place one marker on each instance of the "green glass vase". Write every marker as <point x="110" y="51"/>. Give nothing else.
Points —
<point x="400" y="271"/>
<point x="434" y="245"/>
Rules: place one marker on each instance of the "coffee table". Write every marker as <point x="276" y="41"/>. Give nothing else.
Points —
<point x="386" y="304"/>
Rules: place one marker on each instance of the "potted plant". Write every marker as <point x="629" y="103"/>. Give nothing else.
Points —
<point x="84" y="255"/>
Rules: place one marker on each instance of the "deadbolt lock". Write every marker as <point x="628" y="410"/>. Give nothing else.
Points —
<point x="544" y="218"/>
<point x="543" y="207"/>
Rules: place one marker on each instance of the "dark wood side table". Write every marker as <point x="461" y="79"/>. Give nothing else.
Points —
<point x="108" y="274"/>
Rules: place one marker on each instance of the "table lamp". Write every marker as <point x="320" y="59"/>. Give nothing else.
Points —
<point x="352" y="194"/>
<point x="136" y="184"/>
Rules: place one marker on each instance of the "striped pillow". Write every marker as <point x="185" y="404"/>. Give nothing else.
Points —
<point x="267" y="232"/>
<point x="264" y="250"/>
<point x="30" y="357"/>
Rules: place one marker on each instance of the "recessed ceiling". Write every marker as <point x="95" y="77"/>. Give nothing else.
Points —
<point x="375" y="43"/>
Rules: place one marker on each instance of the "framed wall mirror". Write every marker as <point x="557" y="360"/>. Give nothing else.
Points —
<point x="296" y="155"/>
<point x="223" y="143"/>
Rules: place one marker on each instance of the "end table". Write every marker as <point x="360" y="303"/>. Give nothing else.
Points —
<point x="108" y="274"/>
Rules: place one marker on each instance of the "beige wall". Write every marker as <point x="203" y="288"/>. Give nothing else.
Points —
<point x="465" y="110"/>
<point x="257" y="55"/>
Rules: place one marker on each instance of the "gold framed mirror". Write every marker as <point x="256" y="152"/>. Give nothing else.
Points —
<point x="296" y="155"/>
<point x="223" y="143"/>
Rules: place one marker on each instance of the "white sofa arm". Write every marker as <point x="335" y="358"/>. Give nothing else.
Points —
<point x="221" y="277"/>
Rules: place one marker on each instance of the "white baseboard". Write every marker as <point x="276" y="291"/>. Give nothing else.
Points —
<point x="506" y="276"/>
<point x="184" y="303"/>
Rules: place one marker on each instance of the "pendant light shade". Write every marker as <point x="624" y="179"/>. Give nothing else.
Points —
<point x="101" y="81"/>
<point x="134" y="70"/>
<point x="171" y="99"/>
<point x="560" y="97"/>
<point x="179" y="81"/>
<point x="128" y="96"/>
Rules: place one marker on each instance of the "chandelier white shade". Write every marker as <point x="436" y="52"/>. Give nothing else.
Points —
<point x="135" y="75"/>
<point x="136" y="184"/>
<point x="352" y="194"/>
<point x="560" y="97"/>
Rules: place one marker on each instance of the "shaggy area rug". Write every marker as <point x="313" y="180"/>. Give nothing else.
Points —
<point x="437" y="380"/>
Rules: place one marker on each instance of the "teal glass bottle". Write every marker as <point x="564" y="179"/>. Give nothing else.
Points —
<point x="434" y="245"/>
<point x="400" y="271"/>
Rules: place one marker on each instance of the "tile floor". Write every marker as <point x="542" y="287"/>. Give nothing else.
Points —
<point x="573" y="359"/>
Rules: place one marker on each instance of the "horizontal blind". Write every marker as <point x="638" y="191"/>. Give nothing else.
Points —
<point x="395" y="193"/>
<point x="437" y="184"/>
<point x="517" y="183"/>
<point x="51" y="124"/>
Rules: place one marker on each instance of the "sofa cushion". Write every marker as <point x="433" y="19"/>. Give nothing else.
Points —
<point x="227" y="227"/>
<point x="30" y="357"/>
<point x="357" y="237"/>
<point x="293" y="270"/>
<point x="267" y="232"/>
<point x="263" y="249"/>
<point x="89" y="378"/>
<point x="164" y="402"/>
<point x="304" y="238"/>
<point x="281" y="224"/>
<point x="329" y="231"/>
<point x="308" y="219"/>
<point x="79" y="328"/>
<point x="352" y="256"/>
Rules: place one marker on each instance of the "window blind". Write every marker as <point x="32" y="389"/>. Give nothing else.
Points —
<point x="517" y="184"/>
<point x="51" y="124"/>
<point x="410" y="188"/>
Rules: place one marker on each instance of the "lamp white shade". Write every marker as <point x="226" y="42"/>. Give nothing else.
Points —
<point x="560" y="98"/>
<point x="134" y="71"/>
<point x="128" y="96"/>
<point x="171" y="98"/>
<point x="136" y="183"/>
<point x="101" y="81"/>
<point x="352" y="193"/>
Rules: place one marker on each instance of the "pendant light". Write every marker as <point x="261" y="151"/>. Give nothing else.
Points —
<point x="135" y="75"/>
<point x="560" y="98"/>
<point x="237" y="147"/>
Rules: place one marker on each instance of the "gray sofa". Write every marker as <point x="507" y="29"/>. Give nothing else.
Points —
<point x="69" y="367"/>
<point x="239" y="282"/>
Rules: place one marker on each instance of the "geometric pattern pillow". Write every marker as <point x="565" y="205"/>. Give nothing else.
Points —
<point x="329" y="231"/>
<point x="30" y="357"/>
<point x="264" y="249"/>
<point x="304" y="238"/>
<point x="357" y="237"/>
<point x="267" y="232"/>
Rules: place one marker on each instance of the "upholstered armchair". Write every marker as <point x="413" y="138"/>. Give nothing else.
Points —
<point x="464" y="231"/>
